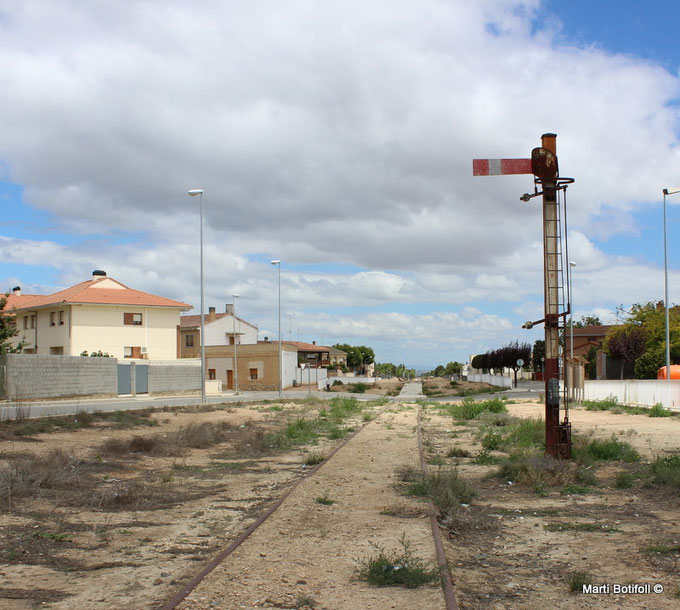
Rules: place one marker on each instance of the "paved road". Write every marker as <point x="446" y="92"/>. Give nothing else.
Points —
<point x="44" y="408"/>
<point x="410" y="392"/>
<point x="413" y="390"/>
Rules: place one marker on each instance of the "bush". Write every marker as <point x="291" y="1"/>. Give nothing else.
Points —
<point x="449" y="491"/>
<point x="358" y="388"/>
<point x="607" y="404"/>
<point x="666" y="470"/>
<point x="398" y="569"/>
<point x="469" y="409"/>
<point x="492" y="440"/>
<point x="658" y="410"/>
<point x="526" y="433"/>
<point x="610" y="449"/>
<point x="337" y="382"/>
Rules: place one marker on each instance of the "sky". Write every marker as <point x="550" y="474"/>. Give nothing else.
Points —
<point x="338" y="137"/>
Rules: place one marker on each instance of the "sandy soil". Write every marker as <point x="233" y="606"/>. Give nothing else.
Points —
<point x="514" y="549"/>
<point x="506" y="555"/>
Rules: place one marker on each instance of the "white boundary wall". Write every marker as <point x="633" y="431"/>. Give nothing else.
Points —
<point x="643" y="392"/>
<point x="496" y="380"/>
<point x="316" y="376"/>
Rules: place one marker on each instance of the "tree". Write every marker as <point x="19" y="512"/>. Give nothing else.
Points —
<point x="626" y="343"/>
<point x="453" y="368"/>
<point x="588" y="321"/>
<point x="648" y="363"/>
<point x="358" y="356"/>
<point x="538" y="355"/>
<point x="8" y="328"/>
<point x="479" y="362"/>
<point x="509" y="355"/>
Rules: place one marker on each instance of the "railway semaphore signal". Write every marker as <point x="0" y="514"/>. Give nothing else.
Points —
<point x="543" y="166"/>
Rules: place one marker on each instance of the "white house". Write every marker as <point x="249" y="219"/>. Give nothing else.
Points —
<point x="220" y="329"/>
<point x="98" y="314"/>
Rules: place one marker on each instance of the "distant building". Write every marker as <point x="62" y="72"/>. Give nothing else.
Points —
<point x="220" y="329"/>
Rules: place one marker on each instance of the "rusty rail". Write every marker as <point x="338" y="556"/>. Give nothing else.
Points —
<point x="447" y="584"/>
<point x="445" y="572"/>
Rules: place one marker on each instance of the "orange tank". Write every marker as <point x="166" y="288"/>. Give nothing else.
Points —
<point x="675" y="372"/>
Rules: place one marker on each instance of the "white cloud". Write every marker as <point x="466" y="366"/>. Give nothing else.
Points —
<point x="334" y="133"/>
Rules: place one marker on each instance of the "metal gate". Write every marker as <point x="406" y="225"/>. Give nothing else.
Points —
<point x="124" y="379"/>
<point x="141" y="378"/>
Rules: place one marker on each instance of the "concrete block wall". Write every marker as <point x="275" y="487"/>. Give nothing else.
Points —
<point x="30" y="376"/>
<point x="174" y="376"/>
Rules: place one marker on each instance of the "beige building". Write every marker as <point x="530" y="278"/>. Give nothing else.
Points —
<point x="98" y="314"/>
<point x="258" y="365"/>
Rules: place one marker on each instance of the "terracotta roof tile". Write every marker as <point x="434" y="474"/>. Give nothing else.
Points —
<point x="307" y="347"/>
<point x="18" y="301"/>
<point x="88" y="293"/>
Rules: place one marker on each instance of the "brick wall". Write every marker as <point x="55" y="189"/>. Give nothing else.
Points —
<point x="174" y="376"/>
<point x="30" y="376"/>
<point x="34" y="377"/>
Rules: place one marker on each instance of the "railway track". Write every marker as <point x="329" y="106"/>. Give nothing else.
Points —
<point x="302" y="550"/>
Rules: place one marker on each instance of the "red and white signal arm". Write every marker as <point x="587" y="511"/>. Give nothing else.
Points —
<point x="501" y="167"/>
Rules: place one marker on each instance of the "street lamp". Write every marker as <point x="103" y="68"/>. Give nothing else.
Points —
<point x="666" y="192"/>
<point x="193" y="193"/>
<point x="278" y="263"/>
<point x="572" y="264"/>
<point x="233" y="315"/>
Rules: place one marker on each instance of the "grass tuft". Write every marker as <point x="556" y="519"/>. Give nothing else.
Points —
<point x="577" y="579"/>
<point x="397" y="569"/>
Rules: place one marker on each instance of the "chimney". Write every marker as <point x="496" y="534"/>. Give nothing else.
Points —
<point x="229" y="308"/>
<point x="266" y="339"/>
<point x="211" y="313"/>
<point x="16" y="291"/>
<point x="313" y="342"/>
<point x="98" y="273"/>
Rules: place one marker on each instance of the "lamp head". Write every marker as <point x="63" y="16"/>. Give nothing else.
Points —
<point x="572" y="264"/>
<point x="672" y="190"/>
<point x="194" y="192"/>
<point x="234" y="296"/>
<point x="276" y="262"/>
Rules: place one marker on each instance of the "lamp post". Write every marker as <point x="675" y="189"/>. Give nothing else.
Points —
<point x="666" y="192"/>
<point x="278" y="263"/>
<point x="233" y="315"/>
<point x="193" y="193"/>
<point x="572" y="264"/>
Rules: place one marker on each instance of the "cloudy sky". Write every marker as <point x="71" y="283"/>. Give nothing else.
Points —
<point x="338" y="136"/>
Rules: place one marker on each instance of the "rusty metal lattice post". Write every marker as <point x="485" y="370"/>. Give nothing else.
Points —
<point x="543" y="165"/>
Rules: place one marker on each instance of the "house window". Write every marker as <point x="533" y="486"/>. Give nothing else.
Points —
<point x="33" y="321"/>
<point x="211" y="374"/>
<point x="25" y="322"/>
<point x="253" y="374"/>
<point x="61" y="318"/>
<point x="132" y="319"/>
<point x="127" y="352"/>
<point x="53" y="316"/>
<point x="188" y="340"/>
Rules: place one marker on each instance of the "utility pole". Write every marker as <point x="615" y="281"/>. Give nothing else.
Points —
<point x="543" y="165"/>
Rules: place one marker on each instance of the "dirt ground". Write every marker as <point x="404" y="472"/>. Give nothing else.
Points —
<point x="134" y="526"/>
<point x="518" y="548"/>
<point x="438" y="386"/>
<point x="384" y="387"/>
